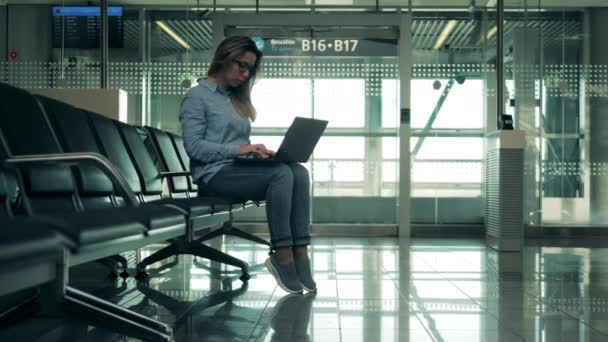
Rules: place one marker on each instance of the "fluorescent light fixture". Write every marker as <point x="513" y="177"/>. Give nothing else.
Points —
<point x="172" y="34"/>
<point x="491" y="32"/>
<point x="447" y="29"/>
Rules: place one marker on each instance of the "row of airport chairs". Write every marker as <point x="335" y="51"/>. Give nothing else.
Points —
<point x="76" y="187"/>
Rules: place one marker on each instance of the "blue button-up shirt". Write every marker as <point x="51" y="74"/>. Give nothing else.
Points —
<point x="212" y="129"/>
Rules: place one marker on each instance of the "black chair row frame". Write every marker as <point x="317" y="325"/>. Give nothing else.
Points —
<point x="67" y="239"/>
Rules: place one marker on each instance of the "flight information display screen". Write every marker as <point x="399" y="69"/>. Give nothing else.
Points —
<point x="79" y="27"/>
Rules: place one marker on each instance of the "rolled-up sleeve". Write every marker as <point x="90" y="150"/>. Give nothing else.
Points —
<point x="194" y="126"/>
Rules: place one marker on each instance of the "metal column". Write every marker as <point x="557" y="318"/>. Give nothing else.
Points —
<point x="104" y="45"/>
<point x="405" y="77"/>
<point x="525" y="74"/>
<point x="500" y="81"/>
<point x="144" y="55"/>
<point x="598" y="121"/>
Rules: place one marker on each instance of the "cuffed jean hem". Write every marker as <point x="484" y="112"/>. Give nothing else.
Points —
<point x="289" y="243"/>
<point x="305" y="241"/>
<point x="281" y="243"/>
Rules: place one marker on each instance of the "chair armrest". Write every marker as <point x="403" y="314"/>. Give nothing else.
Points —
<point x="174" y="174"/>
<point x="69" y="159"/>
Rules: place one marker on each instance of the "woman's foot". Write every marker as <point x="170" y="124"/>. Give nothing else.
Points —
<point x="285" y="274"/>
<point x="302" y="265"/>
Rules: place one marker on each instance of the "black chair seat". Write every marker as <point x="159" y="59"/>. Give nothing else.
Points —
<point x="29" y="254"/>
<point x="225" y="203"/>
<point x="222" y="203"/>
<point x="161" y="217"/>
<point x="103" y="225"/>
<point x="22" y="238"/>
<point x="195" y="206"/>
<point x="200" y="206"/>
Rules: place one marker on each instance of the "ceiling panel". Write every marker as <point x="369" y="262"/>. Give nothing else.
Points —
<point x="302" y="3"/>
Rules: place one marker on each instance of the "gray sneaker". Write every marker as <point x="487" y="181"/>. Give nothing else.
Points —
<point x="305" y="274"/>
<point x="284" y="274"/>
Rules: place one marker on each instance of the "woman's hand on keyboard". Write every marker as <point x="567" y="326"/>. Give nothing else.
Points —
<point x="259" y="149"/>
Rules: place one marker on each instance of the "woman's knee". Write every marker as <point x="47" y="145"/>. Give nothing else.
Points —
<point x="300" y="173"/>
<point x="282" y="172"/>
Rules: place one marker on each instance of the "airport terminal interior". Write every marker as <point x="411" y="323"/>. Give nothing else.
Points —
<point x="456" y="194"/>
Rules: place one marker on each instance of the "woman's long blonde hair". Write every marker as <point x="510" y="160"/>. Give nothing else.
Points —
<point x="227" y="52"/>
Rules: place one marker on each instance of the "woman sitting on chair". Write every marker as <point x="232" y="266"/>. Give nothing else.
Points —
<point x="216" y="118"/>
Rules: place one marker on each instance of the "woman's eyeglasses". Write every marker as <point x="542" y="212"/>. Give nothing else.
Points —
<point x="243" y="67"/>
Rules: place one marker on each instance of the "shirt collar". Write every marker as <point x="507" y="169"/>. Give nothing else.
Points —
<point x="213" y="86"/>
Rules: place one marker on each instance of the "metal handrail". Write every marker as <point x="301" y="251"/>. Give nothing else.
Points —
<point x="96" y="159"/>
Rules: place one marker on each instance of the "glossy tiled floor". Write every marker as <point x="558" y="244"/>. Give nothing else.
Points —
<point x="369" y="290"/>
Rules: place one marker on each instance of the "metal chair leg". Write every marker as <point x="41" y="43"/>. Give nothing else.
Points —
<point x="117" y="310"/>
<point x="247" y="236"/>
<point x="159" y="255"/>
<point x="92" y="314"/>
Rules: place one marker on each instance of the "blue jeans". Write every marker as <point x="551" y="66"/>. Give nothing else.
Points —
<point x="284" y="187"/>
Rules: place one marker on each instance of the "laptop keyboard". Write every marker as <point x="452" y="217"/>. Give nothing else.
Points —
<point x="255" y="156"/>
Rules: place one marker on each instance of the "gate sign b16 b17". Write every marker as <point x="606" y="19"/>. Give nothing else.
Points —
<point x="328" y="47"/>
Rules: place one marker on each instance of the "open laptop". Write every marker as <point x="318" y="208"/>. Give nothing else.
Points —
<point x="298" y="143"/>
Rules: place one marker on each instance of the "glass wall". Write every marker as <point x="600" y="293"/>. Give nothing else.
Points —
<point x="556" y="84"/>
<point x="49" y="47"/>
<point x="556" y="76"/>
<point x="355" y="167"/>
<point x="165" y="49"/>
<point x="448" y="92"/>
<point x="177" y="55"/>
<point x="571" y="132"/>
<point x="353" y="170"/>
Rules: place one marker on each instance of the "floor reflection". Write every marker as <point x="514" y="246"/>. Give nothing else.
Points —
<point x="291" y="317"/>
<point x="369" y="290"/>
